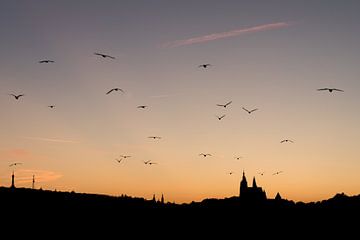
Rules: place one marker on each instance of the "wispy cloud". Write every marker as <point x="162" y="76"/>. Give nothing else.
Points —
<point x="16" y="153"/>
<point x="26" y="175"/>
<point x="51" y="140"/>
<point x="164" y="95"/>
<point x="233" y="33"/>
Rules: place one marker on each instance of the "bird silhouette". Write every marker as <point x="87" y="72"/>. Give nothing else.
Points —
<point x="154" y="137"/>
<point x="330" y="89"/>
<point x="115" y="89"/>
<point x="51" y="106"/>
<point x="15" y="164"/>
<point x="250" y="111"/>
<point x="147" y="162"/>
<point x="125" y="156"/>
<point x="205" y="154"/>
<point x="276" y="173"/>
<point x="205" y="65"/>
<point x="104" y="55"/>
<point x="287" y="140"/>
<point x="221" y="117"/>
<point x="46" y="61"/>
<point x="224" y="105"/>
<point x="17" y="96"/>
<point x="118" y="160"/>
<point x="151" y="163"/>
<point x="142" y="106"/>
<point x="261" y="173"/>
<point x="231" y="173"/>
<point x="238" y="158"/>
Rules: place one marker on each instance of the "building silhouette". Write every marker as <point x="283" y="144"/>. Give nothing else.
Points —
<point x="251" y="194"/>
<point x="33" y="182"/>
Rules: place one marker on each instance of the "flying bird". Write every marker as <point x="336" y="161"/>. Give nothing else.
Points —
<point x="104" y="55"/>
<point x="238" y="158"/>
<point x="250" y="111"/>
<point x="224" y="105"/>
<point x="330" y="89"/>
<point x="17" y="96"/>
<point x="276" y="173"/>
<point x="205" y="154"/>
<point x="261" y="173"/>
<point x="149" y="162"/>
<point x="231" y="173"/>
<point x="205" y="65"/>
<point x="287" y="140"/>
<point x="125" y="156"/>
<point x="118" y="160"/>
<point x="51" y="106"/>
<point x="115" y="89"/>
<point x="46" y="61"/>
<point x="14" y="164"/>
<point x="154" y="137"/>
<point x="221" y="117"/>
<point x="142" y="106"/>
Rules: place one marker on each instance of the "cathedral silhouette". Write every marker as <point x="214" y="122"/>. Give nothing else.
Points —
<point x="253" y="194"/>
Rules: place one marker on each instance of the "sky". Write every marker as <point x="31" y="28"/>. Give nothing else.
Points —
<point x="270" y="55"/>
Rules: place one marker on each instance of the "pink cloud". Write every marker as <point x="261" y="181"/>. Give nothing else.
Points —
<point x="16" y="153"/>
<point x="233" y="33"/>
<point x="26" y="176"/>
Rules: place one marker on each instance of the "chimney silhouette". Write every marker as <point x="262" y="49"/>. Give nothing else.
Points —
<point x="13" y="180"/>
<point x="33" y="182"/>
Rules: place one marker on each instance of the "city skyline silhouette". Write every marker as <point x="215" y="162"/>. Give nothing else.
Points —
<point x="181" y="98"/>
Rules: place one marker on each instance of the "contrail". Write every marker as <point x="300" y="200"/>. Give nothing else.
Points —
<point x="233" y="33"/>
<point x="50" y="140"/>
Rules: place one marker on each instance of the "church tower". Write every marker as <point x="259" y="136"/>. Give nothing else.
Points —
<point x="243" y="185"/>
<point x="13" y="180"/>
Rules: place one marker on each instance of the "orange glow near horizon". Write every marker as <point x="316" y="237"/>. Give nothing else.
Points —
<point x="74" y="146"/>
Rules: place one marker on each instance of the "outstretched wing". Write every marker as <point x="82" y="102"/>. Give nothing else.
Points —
<point x="336" y="89"/>
<point x="110" y="91"/>
<point x="228" y="103"/>
<point x="110" y="56"/>
<point x="323" y="89"/>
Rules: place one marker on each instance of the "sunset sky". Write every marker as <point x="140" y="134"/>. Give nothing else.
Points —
<point x="270" y="55"/>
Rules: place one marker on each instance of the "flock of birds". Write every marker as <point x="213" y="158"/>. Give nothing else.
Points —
<point x="122" y="158"/>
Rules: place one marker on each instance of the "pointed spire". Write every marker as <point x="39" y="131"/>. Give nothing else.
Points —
<point x="33" y="182"/>
<point x="162" y="198"/>
<point x="254" y="183"/>
<point x="243" y="184"/>
<point x="154" y="199"/>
